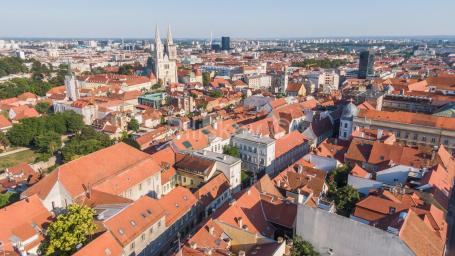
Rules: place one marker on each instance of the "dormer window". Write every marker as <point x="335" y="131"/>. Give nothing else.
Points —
<point x="392" y="210"/>
<point x="121" y="231"/>
<point x="133" y="223"/>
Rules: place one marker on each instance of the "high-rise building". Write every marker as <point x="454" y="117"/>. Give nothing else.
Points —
<point x="366" y="64"/>
<point x="165" y="58"/>
<point x="225" y="43"/>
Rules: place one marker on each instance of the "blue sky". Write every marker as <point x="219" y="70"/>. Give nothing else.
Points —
<point x="236" y="18"/>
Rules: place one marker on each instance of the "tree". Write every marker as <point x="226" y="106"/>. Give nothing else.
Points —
<point x="8" y="198"/>
<point x="230" y="150"/>
<point x="338" y="178"/>
<point x="345" y="200"/>
<point x="87" y="141"/>
<point x="126" y="69"/>
<point x="48" y="142"/>
<point x="68" y="231"/>
<point x="43" y="107"/>
<point x="4" y="142"/>
<point x="131" y="141"/>
<point x="302" y="248"/>
<point x="156" y="86"/>
<point x="133" y="125"/>
<point x="216" y="94"/>
<point x="205" y="78"/>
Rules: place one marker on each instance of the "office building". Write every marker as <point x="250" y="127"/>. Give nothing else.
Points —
<point x="366" y="64"/>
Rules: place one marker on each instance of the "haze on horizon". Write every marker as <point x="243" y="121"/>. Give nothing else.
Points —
<point x="236" y="18"/>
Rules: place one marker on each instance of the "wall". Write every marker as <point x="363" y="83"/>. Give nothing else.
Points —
<point x="344" y="236"/>
<point x="363" y="185"/>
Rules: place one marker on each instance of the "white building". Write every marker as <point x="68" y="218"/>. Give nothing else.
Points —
<point x="328" y="81"/>
<point x="259" y="81"/>
<point x="257" y="152"/>
<point x="346" y="121"/>
<point x="165" y="59"/>
<point x="230" y="166"/>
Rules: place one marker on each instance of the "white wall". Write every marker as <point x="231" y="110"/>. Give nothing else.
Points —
<point x="344" y="236"/>
<point x="363" y="185"/>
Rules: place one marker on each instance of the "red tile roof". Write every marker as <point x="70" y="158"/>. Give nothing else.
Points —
<point x="105" y="244"/>
<point x="289" y="142"/>
<point x="133" y="220"/>
<point x="177" y="203"/>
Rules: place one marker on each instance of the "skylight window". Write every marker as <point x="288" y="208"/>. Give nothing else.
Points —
<point x="133" y="223"/>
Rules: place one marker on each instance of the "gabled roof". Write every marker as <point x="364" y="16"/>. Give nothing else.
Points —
<point x="212" y="189"/>
<point x="23" y="219"/>
<point x="419" y="237"/>
<point x="133" y="220"/>
<point x="288" y="142"/>
<point x="103" y="245"/>
<point x="112" y="170"/>
<point x="177" y="203"/>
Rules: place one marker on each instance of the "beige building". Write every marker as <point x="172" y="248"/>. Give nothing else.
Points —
<point x="411" y="128"/>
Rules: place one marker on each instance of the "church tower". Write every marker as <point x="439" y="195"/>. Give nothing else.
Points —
<point x="165" y="58"/>
<point x="72" y="90"/>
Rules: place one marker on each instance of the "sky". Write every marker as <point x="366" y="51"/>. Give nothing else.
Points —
<point x="235" y="18"/>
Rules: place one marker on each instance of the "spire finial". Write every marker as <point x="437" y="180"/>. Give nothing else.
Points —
<point x="170" y="41"/>
<point x="157" y="36"/>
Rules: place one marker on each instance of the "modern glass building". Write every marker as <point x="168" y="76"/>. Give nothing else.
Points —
<point x="225" y="43"/>
<point x="366" y="64"/>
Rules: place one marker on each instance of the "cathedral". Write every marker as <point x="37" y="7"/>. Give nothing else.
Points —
<point x="165" y="59"/>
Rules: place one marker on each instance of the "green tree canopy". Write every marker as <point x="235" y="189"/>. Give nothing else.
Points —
<point x="230" y="150"/>
<point x="8" y="198"/>
<point x="87" y="141"/>
<point x="345" y="200"/>
<point x="11" y="65"/>
<point x="43" y="107"/>
<point x="133" y="125"/>
<point x="302" y="248"/>
<point x="68" y="231"/>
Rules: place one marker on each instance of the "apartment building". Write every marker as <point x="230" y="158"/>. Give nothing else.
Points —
<point x="411" y="128"/>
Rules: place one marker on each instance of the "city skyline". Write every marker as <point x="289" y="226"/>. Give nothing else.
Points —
<point x="115" y="19"/>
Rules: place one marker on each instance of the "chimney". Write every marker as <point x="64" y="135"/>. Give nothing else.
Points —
<point x="242" y="253"/>
<point x="193" y="245"/>
<point x="240" y="222"/>
<point x="280" y="240"/>
<point x="208" y="251"/>
<point x="380" y="132"/>
<point x="211" y="230"/>
<point x="300" y="169"/>
<point x="178" y="136"/>
<point x="215" y="125"/>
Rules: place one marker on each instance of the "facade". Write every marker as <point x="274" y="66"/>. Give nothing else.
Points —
<point x="230" y="166"/>
<point x="411" y="128"/>
<point x="366" y="64"/>
<point x="259" y="81"/>
<point x="165" y="59"/>
<point x="328" y="81"/>
<point x="257" y="152"/>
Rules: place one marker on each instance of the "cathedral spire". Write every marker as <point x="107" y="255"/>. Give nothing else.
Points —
<point x="170" y="41"/>
<point x="157" y="36"/>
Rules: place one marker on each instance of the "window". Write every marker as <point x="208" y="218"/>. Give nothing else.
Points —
<point x="345" y="134"/>
<point x="415" y="136"/>
<point x="132" y="245"/>
<point x="151" y="230"/>
<point x="140" y="186"/>
<point x="433" y="140"/>
<point x="345" y="125"/>
<point x="398" y="134"/>
<point x="424" y="138"/>
<point x="143" y="237"/>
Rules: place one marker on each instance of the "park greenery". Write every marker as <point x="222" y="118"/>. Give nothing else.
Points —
<point x="43" y="78"/>
<point x="44" y="135"/>
<point x="344" y="195"/>
<point x="87" y="141"/>
<point x="11" y="65"/>
<point x="68" y="231"/>
<point x="324" y="63"/>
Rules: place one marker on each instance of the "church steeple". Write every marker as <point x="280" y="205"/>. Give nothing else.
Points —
<point x="157" y="36"/>
<point x="170" y="41"/>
